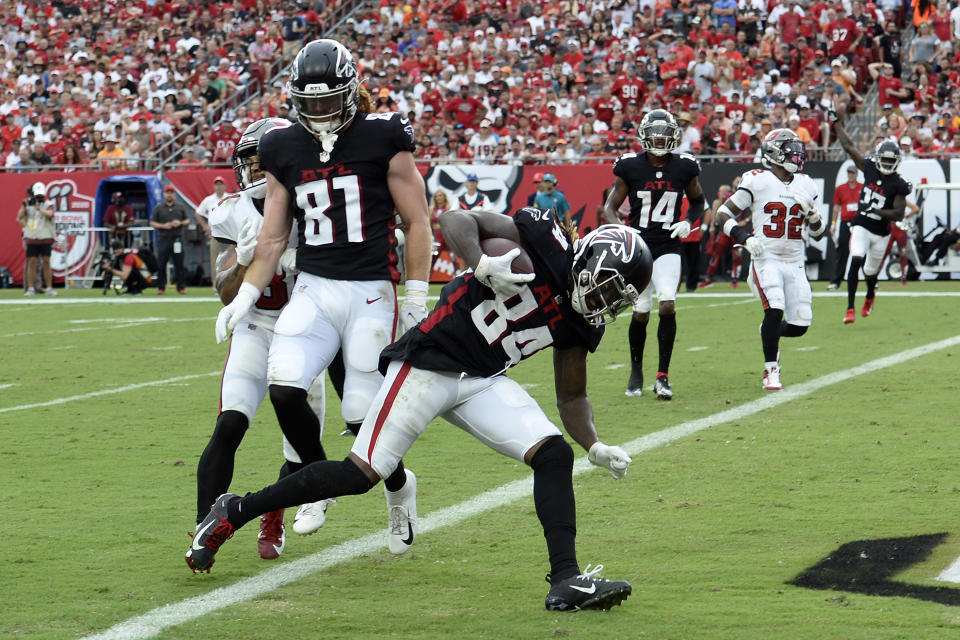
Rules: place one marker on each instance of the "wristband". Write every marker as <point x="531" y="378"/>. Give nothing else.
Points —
<point x="412" y="286"/>
<point x="728" y="226"/>
<point x="250" y="289"/>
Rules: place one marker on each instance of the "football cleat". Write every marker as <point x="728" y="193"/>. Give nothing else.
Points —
<point x="833" y="286"/>
<point x="771" y="379"/>
<point x="585" y="591"/>
<point x="635" y="384"/>
<point x="211" y="533"/>
<point x="272" y="536"/>
<point x="662" y="388"/>
<point x="734" y="283"/>
<point x="850" y="316"/>
<point x="705" y="284"/>
<point x="311" y="516"/>
<point x="402" y="505"/>
<point x="867" y="306"/>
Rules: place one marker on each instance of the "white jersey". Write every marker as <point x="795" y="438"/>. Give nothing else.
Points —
<point x="777" y="216"/>
<point x="207" y="205"/>
<point x="225" y="221"/>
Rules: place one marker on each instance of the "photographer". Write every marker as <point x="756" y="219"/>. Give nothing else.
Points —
<point x="130" y="265"/>
<point x="39" y="232"/>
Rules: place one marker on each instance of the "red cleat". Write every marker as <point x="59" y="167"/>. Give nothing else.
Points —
<point x="850" y="317"/>
<point x="272" y="537"/>
<point x="705" y="284"/>
<point x="734" y="284"/>
<point x="867" y="306"/>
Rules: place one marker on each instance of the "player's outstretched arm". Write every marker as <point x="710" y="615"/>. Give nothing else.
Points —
<point x="576" y="413"/>
<point x="615" y="198"/>
<point x="844" y="139"/>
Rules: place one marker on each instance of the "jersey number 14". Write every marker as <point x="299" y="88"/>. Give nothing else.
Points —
<point x="661" y="212"/>
<point x="313" y="198"/>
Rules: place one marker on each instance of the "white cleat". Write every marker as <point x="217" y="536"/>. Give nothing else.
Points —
<point x="311" y="517"/>
<point x="771" y="379"/>
<point x="402" y="506"/>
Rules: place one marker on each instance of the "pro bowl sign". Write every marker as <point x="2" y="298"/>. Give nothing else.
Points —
<point x="73" y="213"/>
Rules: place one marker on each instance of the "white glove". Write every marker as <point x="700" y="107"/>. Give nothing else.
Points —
<point x="231" y="315"/>
<point x="804" y="200"/>
<point x="414" y="307"/>
<point x="247" y="242"/>
<point x="613" y="458"/>
<point x="288" y="262"/>
<point x="754" y="245"/>
<point x="495" y="272"/>
<point x="681" y="229"/>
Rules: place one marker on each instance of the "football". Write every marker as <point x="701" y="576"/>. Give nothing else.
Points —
<point x="500" y="246"/>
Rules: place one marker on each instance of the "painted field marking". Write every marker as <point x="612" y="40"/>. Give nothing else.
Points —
<point x="154" y="622"/>
<point x="107" y="392"/>
<point x="122" y="324"/>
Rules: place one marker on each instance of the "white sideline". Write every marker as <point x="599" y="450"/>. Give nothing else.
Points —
<point x="107" y="392"/>
<point x="155" y="621"/>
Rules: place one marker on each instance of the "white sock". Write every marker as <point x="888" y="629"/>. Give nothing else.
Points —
<point x="770" y="366"/>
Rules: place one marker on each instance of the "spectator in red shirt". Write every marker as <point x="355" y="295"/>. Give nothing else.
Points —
<point x="464" y="109"/>
<point x="845" y="199"/>
<point x="224" y="138"/>
<point x="889" y="88"/>
<point x="628" y="88"/>
<point x="606" y="105"/>
<point x="842" y="34"/>
<point x="9" y="132"/>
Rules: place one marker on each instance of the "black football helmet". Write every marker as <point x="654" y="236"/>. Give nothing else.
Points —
<point x="611" y="267"/>
<point x="324" y="87"/>
<point x="246" y="166"/>
<point x="783" y="148"/>
<point x="658" y="132"/>
<point x="887" y="157"/>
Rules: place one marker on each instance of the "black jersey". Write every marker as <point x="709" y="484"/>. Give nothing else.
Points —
<point x="472" y="331"/>
<point x="343" y="206"/>
<point x="656" y="195"/>
<point x="878" y="192"/>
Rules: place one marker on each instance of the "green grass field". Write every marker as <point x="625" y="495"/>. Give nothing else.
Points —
<point x="105" y="408"/>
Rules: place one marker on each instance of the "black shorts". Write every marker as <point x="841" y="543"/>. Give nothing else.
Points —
<point x="39" y="250"/>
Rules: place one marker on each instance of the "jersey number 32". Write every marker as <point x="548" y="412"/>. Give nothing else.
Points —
<point x="781" y="223"/>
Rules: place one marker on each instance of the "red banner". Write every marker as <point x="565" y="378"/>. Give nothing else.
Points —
<point x="73" y="196"/>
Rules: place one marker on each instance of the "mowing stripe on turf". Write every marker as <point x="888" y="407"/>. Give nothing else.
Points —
<point x="154" y="622"/>
<point x="107" y="392"/>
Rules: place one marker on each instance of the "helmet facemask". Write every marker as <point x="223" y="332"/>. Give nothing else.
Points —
<point x="324" y="112"/>
<point x="658" y="138"/>
<point x="794" y="155"/>
<point x="246" y="167"/>
<point x="887" y="160"/>
<point x="601" y="294"/>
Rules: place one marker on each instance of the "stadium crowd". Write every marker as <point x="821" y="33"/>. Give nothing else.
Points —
<point x="484" y="82"/>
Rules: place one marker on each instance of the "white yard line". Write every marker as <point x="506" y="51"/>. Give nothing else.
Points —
<point x="107" y="392"/>
<point x="130" y="300"/>
<point x="154" y="622"/>
<point x="121" y="324"/>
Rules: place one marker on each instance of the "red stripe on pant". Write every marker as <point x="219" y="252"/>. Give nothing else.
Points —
<point x="387" y="405"/>
<point x="756" y="281"/>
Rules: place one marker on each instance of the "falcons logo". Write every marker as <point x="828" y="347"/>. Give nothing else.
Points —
<point x="622" y="240"/>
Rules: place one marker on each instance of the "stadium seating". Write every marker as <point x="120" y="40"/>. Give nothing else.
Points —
<point x="493" y="82"/>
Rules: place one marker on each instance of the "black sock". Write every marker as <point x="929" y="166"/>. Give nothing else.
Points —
<point x="666" y="335"/>
<point x="215" y="468"/>
<point x="853" y="278"/>
<point x="396" y="480"/>
<point x="316" y="481"/>
<point x="770" y="333"/>
<point x="638" y="336"/>
<point x="871" y="285"/>
<point x="354" y="427"/>
<point x="791" y="330"/>
<point x="298" y="422"/>
<point x="556" y="505"/>
<point x="336" y="371"/>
